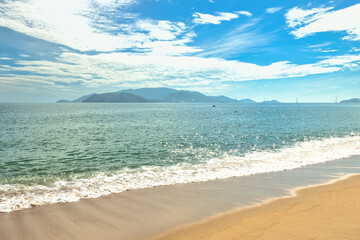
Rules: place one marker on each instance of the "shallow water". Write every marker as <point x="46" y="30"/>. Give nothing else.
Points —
<point x="64" y="152"/>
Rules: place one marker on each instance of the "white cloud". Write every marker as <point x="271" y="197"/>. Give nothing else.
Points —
<point x="240" y="39"/>
<point x="61" y="22"/>
<point x="297" y="16"/>
<point x="172" y="48"/>
<point x="204" y="18"/>
<point x="354" y="49"/>
<point x="161" y="30"/>
<point x="130" y="70"/>
<point x="88" y="25"/>
<point x="273" y="10"/>
<point x="325" y="44"/>
<point x="5" y="58"/>
<point x="160" y="55"/>
<point x="245" y="13"/>
<point x="24" y="55"/>
<point x="343" y="60"/>
<point x="329" y="50"/>
<point x="316" y="20"/>
<point x="322" y="47"/>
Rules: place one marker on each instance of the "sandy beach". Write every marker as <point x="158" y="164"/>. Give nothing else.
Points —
<point x="186" y="211"/>
<point x="179" y="120"/>
<point x="324" y="212"/>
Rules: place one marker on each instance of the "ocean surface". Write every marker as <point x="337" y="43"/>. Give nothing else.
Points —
<point x="53" y="153"/>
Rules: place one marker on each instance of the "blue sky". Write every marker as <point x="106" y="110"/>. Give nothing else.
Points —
<point x="52" y="49"/>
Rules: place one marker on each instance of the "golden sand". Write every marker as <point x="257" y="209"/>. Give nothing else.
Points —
<point x="324" y="212"/>
<point x="327" y="212"/>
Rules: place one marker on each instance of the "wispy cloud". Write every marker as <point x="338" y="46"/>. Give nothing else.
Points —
<point x="241" y="39"/>
<point x="104" y="44"/>
<point x="124" y="69"/>
<point x="355" y="49"/>
<point x="245" y="13"/>
<point x="325" y="44"/>
<point x="273" y="10"/>
<point x="298" y="16"/>
<point x="329" y="50"/>
<point x="306" y="22"/>
<point x="204" y="18"/>
<point x="322" y="47"/>
<point x="89" y="25"/>
<point x="343" y="60"/>
<point x="61" y="22"/>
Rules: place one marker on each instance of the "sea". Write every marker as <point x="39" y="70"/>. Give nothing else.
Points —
<point x="51" y="153"/>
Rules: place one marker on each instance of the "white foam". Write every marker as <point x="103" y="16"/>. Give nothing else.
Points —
<point x="15" y="197"/>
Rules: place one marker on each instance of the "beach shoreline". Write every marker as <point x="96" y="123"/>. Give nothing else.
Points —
<point x="326" y="211"/>
<point x="147" y="213"/>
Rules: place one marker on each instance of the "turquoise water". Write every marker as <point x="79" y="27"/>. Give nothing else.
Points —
<point x="64" y="152"/>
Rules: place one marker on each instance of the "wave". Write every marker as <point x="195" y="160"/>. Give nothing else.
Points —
<point x="18" y="196"/>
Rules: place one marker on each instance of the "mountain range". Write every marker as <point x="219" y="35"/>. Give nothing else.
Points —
<point x="156" y="95"/>
<point x="353" y="100"/>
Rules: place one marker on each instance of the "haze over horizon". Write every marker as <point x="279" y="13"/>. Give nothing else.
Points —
<point x="51" y="50"/>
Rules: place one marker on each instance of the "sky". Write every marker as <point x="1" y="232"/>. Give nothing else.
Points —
<point x="63" y="49"/>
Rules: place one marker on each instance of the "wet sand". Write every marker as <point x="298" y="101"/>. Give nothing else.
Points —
<point x="323" y="212"/>
<point x="146" y="213"/>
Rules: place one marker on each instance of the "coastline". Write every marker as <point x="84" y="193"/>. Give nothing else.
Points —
<point x="328" y="211"/>
<point x="146" y="213"/>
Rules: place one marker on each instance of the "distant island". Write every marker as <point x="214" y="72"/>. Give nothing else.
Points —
<point x="168" y="95"/>
<point x="271" y="102"/>
<point x="115" y="97"/>
<point x="353" y="100"/>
